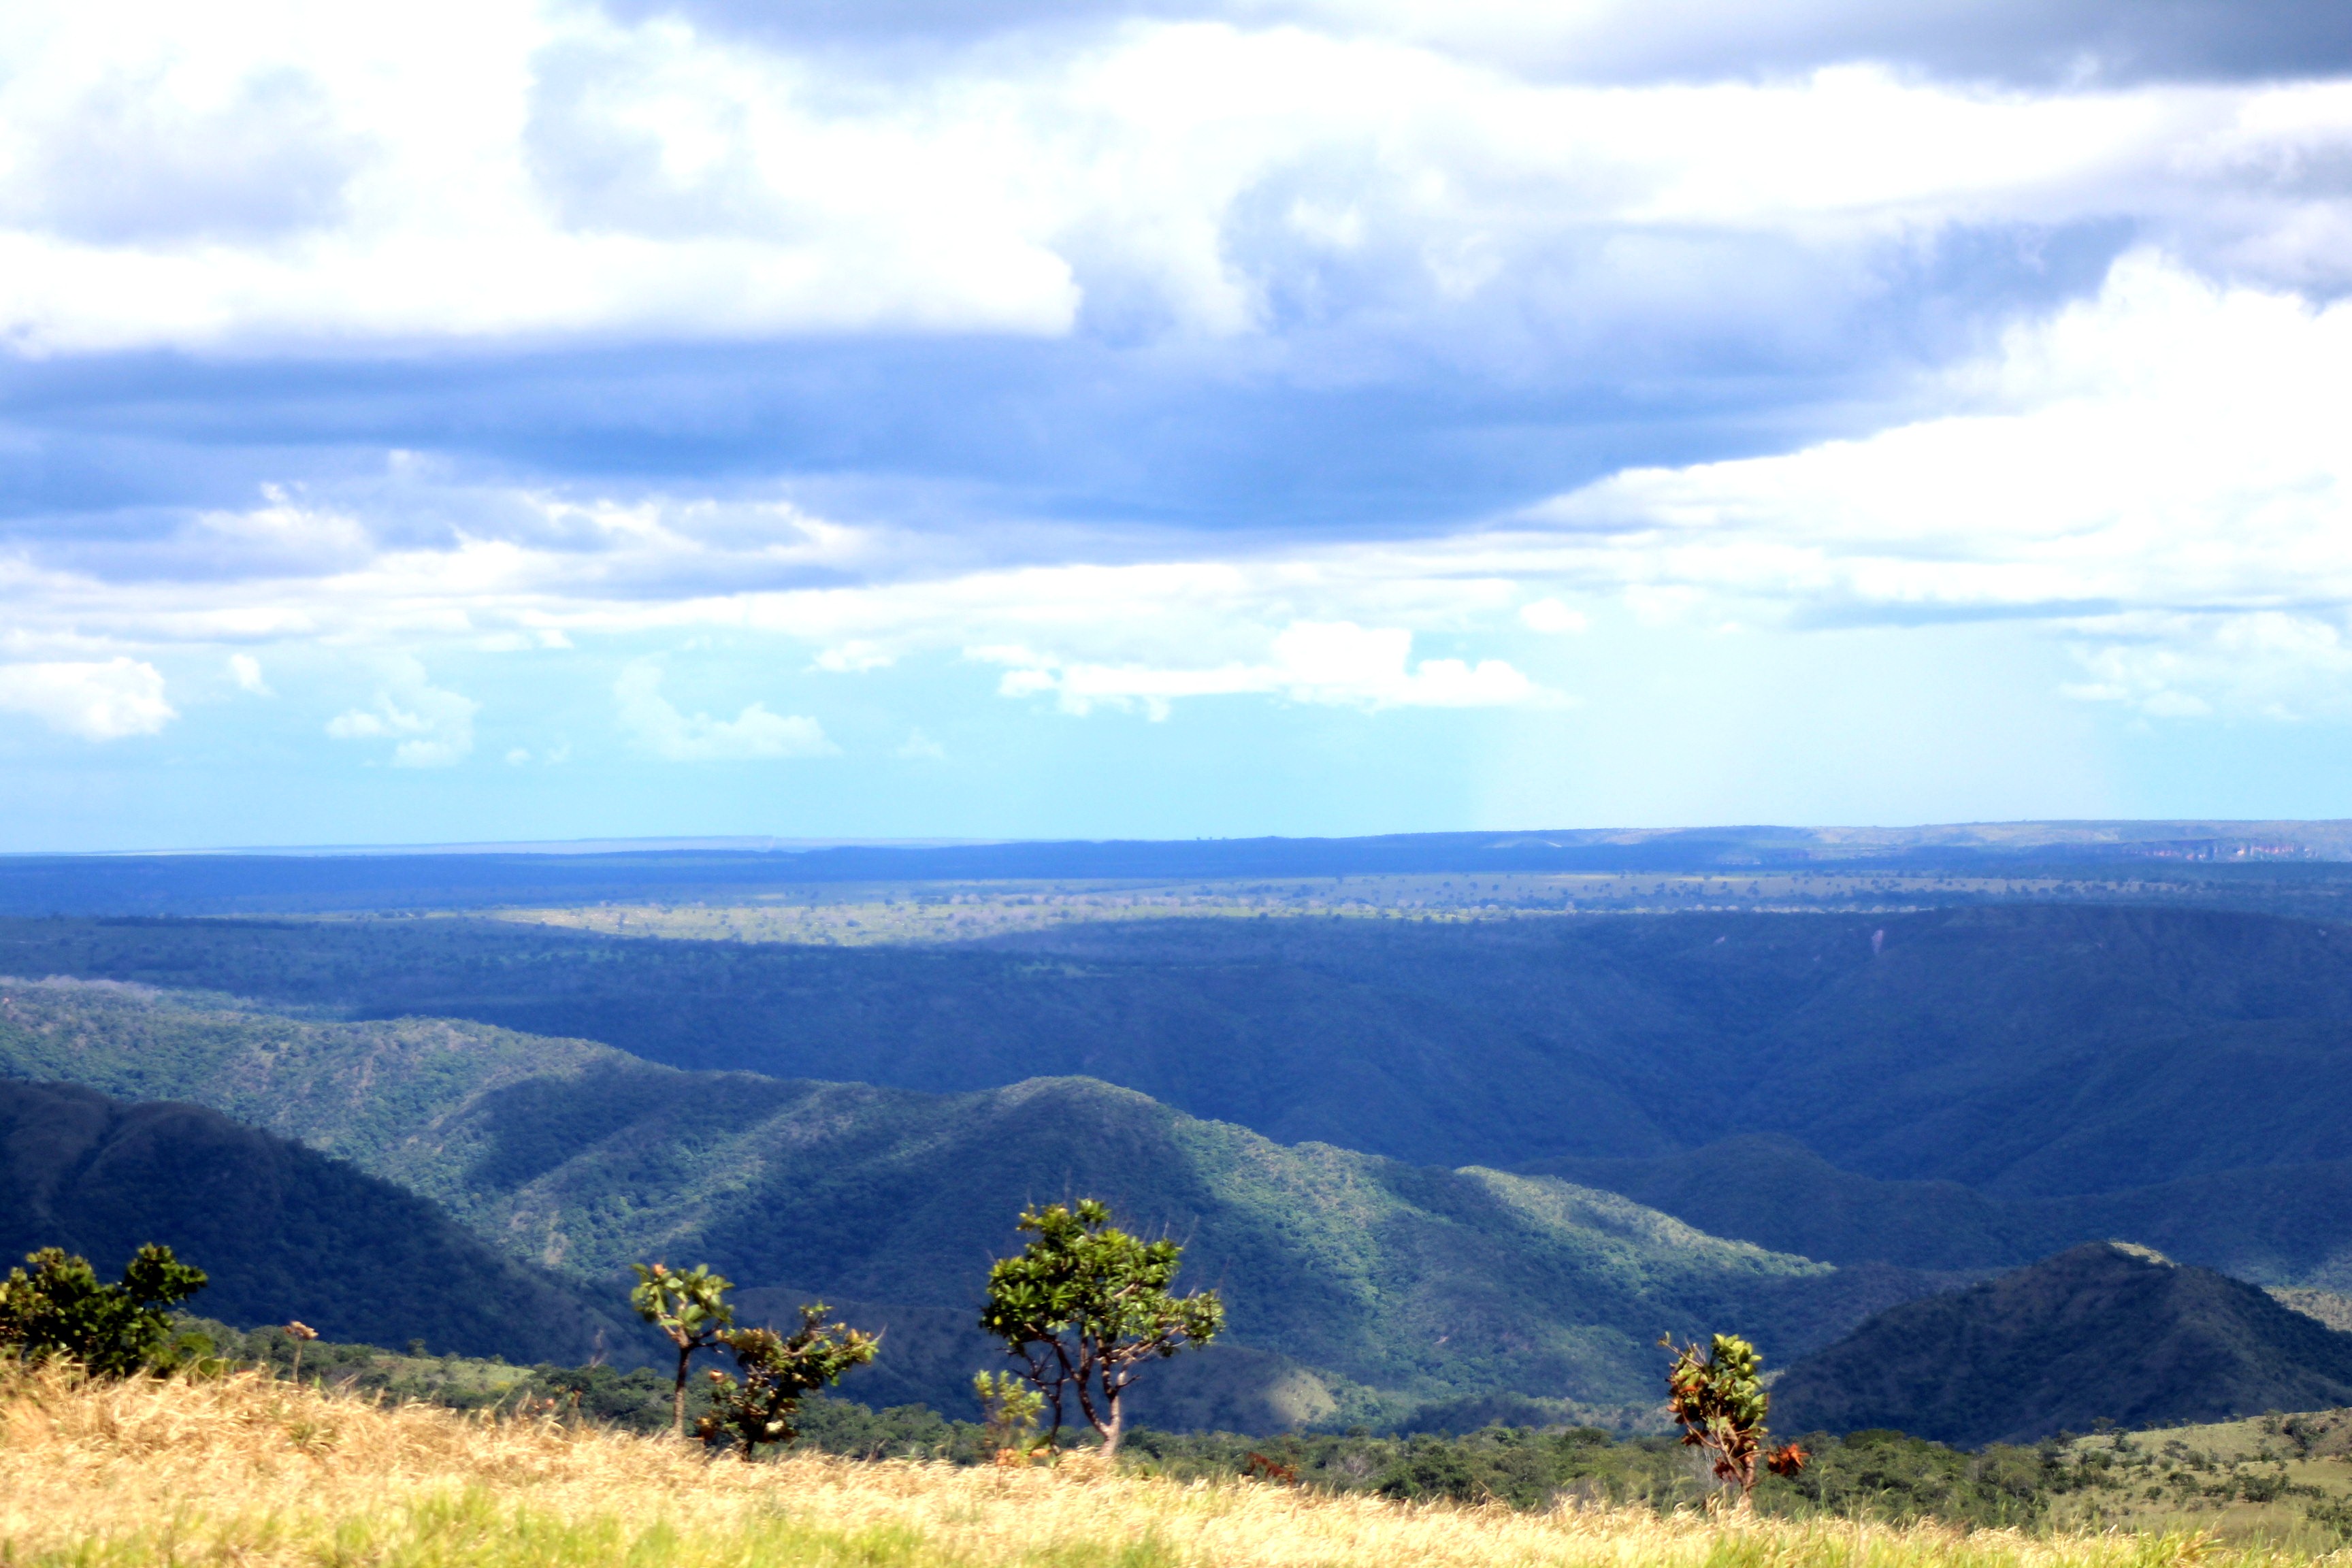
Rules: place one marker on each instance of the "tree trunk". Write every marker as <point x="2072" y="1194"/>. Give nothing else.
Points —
<point x="1114" y="1422"/>
<point x="677" y="1396"/>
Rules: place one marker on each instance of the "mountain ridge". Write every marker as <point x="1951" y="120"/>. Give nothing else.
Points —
<point x="2101" y="1333"/>
<point x="282" y="1231"/>
<point x="1400" y="1283"/>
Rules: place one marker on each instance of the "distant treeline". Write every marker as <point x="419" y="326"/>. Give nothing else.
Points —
<point x="2218" y="856"/>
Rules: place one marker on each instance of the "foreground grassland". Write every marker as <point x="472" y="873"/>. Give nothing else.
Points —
<point x="249" y="1471"/>
<point x="2276" y="1477"/>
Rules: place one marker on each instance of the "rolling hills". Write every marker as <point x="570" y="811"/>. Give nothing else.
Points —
<point x="283" y="1232"/>
<point x="2026" y="1051"/>
<point x="2100" y="1334"/>
<point x="1902" y="1096"/>
<point x="1354" y="1282"/>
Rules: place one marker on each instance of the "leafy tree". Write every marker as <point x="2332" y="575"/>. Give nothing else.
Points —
<point x="1085" y="1306"/>
<point x="62" y="1309"/>
<point x="691" y="1309"/>
<point x="778" y="1372"/>
<point x="1720" y="1403"/>
<point x="1009" y="1412"/>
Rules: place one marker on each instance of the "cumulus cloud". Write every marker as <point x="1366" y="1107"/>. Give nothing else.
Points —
<point x="104" y="700"/>
<point x="587" y="177"/>
<point x="2155" y="474"/>
<point x="430" y="727"/>
<point x="245" y="670"/>
<point x="1322" y="278"/>
<point x="677" y="737"/>
<point x="2158" y="473"/>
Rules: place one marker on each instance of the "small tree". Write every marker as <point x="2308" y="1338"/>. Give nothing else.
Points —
<point x="691" y="1309"/>
<point x="62" y="1309"/>
<point x="1720" y="1403"/>
<point x="1009" y="1410"/>
<point x="778" y="1372"/>
<point x="1085" y="1306"/>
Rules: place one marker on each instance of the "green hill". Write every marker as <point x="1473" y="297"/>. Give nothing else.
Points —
<point x="2099" y="1333"/>
<point x="283" y="1232"/>
<point x="1354" y="1282"/>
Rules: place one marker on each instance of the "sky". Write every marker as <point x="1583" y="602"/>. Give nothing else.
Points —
<point x="898" y="419"/>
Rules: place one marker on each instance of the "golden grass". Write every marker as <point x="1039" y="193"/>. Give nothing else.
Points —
<point x="252" y="1473"/>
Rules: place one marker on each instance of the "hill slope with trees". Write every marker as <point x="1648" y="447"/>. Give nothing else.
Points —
<point x="1353" y="1279"/>
<point x="2026" y="1051"/>
<point x="2269" y="1223"/>
<point x="283" y="1232"/>
<point x="2099" y="1334"/>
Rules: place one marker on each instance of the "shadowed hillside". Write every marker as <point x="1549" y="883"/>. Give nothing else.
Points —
<point x="2100" y="1332"/>
<point x="2030" y="1051"/>
<point x="1392" y="1283"/>
<point x="2268" y="1223"/>
<point x="283" y="1232"/>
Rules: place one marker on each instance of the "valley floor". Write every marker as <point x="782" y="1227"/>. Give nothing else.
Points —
<point x="251" y="1471"/>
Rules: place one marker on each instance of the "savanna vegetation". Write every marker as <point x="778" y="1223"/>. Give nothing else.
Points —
<point x="259" y="1471"/>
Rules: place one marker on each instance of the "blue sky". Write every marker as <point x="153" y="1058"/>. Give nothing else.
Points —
<point x="1220" y="418"/>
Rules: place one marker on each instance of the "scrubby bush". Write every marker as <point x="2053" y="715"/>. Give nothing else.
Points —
<point x="59" y="1306"/>
<point x="1719" y="1402"/>
<point x="777" y="1373"/>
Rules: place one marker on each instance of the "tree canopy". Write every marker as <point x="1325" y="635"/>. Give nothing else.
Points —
<point x="1085" y="1306"/>
<point x="61" y="1308"/>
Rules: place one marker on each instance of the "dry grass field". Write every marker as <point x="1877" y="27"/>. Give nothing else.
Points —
<point x="256" y="1473"/>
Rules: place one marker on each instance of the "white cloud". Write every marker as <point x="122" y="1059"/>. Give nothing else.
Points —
<point x="677" y="737"/>
<point x="2159" y="473"/>
<point x="1551" y="617"/>
<point x="920" y="747"/>
<point x="96" y="701"/>
<point x="245" y="670"/>
<point x="431" y="728"/>
<point x="1338" y="663"/>
<point x="2156" y="470"/>
<point x="855" y="656"/>
<point x="279" y="180"/>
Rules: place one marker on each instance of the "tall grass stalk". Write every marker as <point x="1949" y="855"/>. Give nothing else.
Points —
<point x="249" y="1471"/>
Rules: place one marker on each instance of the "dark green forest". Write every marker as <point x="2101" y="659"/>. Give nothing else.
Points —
<point x="2097" y="1333"/>
<point x="2188" y="1071"/>
<point x="1839" y="1112"/>
<point x="1357" y="1284"/>
<point x="2028" y="1050"/>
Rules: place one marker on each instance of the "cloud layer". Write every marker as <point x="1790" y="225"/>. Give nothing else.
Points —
<point x="1288" y="355"/>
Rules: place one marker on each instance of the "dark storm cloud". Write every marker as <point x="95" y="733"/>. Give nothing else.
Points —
<point x="106" y="458"/>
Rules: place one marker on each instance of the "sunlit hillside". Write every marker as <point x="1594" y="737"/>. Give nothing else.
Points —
<point x="251" y="1471"/>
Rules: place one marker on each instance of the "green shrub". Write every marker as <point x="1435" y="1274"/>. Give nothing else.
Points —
<point x="62" y="1309"/>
